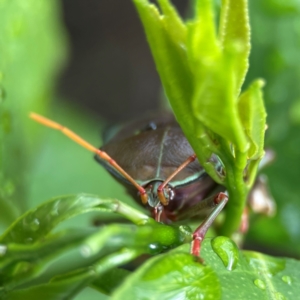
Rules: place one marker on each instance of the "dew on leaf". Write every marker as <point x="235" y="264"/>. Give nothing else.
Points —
<point x="287" y="279"/>
<point x="34" y="225"/>
<point x="227" y="250"/>
<point x="55" y="209"/>
<point x="155" y="248"/>
<point x="279" y="296"/>
<point x="53" y="212"/>
<point x="85" y="251"/>
<point x="186" y="231"/>
<point x="260" y="284"/>
<point x="271" y="265"/>
<point x="3" y="250"/>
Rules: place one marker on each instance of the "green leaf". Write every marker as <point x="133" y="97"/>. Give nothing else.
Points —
<point x="169" y="53"/>
<point x="200" y="75"/>
<point x="202" y="39"/>
<point x="67" y="285"/>
<point x="22" y="263"/>
<point x="56" y="290"/>
<point x="38" y="222"/>
<point x="214" y="102"/>
<point x="253" y="116"/>
<point x="177" y="274"/>
<point x="14" y="253"/>
<point x="108" y="281"/>
<point x="276" y="277"/>
<point x="202" y="79"/>
<point x="235" y="32"/>
<point x="173" y="23"/>
<point x="216" y="68"/>
<point x="171" y="276"/>
<point x="28" y="247"/>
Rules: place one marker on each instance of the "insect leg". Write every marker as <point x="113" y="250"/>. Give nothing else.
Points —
<point x="160" y="190"/>
<point x="103" y="155"/>
<point x="220" y="201"/>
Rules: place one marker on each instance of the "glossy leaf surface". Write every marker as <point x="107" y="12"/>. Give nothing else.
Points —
<point x="29" y="246"/>
<point x="97" y="251"/>
<point x="176" y="275"/>
<point x="38" y="222"/>
<point x="55" y="290"/>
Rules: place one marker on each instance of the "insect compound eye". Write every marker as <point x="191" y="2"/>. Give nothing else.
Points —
<point x="150" y="126"/>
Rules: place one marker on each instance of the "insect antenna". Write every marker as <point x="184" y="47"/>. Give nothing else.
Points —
<point x="160" y="189"/>
<point x="103" y="155"/>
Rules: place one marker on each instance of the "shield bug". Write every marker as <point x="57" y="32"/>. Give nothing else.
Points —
<point x="157" y="165"/>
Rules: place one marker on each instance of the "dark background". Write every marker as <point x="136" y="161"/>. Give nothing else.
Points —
<point x="110" y="70"/>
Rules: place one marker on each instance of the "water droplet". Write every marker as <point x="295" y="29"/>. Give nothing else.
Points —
<point x="187" y="233"/>
<point x="35" y="225"/>
<point x="260" y="284"/>
<point x="279" y="296"/>
<point x="85" y="251"/>
<point x="54" y="212"/>
<point x="55" y="209"/>
<point x="287" y="279"/>
<point x="155" y="248"/>
<point x="271" y="266"/>
<point x="3" y="250"/>
<point x="227" y="250"/>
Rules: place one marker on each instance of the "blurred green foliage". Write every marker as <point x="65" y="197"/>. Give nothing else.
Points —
<point x="275" y="57"/>
<point x="32" y="50"/>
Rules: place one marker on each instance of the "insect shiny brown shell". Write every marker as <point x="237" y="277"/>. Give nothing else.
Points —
<point x="150" y="150"/>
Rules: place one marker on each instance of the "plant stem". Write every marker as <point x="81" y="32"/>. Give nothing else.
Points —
<point x="237" y="194"/>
